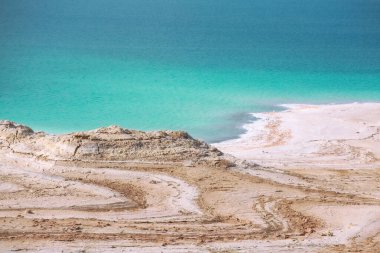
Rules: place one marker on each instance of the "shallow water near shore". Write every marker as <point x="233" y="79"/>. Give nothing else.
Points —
<point x="186" y="65"/>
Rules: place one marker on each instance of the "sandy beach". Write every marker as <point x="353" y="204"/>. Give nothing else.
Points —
<point x="319" y="136"/>
<point x="305" y="179"/>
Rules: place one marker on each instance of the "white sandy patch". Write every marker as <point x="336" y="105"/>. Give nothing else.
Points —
<point x="338" y="136"/>
<point x="9" y="187"/>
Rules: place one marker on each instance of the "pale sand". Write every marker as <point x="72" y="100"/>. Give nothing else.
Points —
<point x="322" y="136"/>
<point x="319" y="190"/>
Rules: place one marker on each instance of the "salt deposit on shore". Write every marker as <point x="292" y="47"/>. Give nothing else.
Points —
<point x="331" y="136"/>
<point x="311" y="183"/>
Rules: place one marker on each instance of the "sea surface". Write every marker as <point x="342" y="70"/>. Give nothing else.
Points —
<point x="194" y="65"/>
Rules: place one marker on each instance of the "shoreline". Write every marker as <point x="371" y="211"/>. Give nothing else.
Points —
<point x="303" y="130"/>
<point x="236" y="123"/>
<point x="266" y="138"/>
<point x="112" y="188"/>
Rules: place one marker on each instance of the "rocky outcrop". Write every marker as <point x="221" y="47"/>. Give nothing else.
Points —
<point x="111" y="143"/>
<point x="11" y="132"/>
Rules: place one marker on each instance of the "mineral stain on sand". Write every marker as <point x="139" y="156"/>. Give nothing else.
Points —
<point x="112" y="188"/>
<point x="302" y="178"/>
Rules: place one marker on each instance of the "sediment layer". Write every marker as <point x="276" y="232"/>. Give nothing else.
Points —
<point x="114" y="189"/>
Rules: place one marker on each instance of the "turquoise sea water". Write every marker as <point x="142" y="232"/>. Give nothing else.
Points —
<point x="199" y="66"/>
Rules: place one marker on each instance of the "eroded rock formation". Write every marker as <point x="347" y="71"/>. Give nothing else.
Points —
<point x="111" y="143"/>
